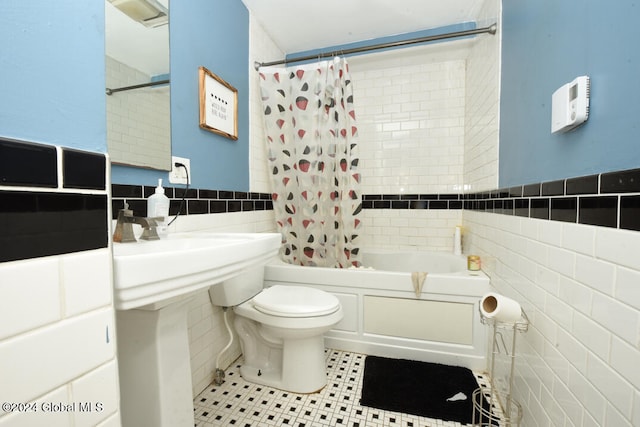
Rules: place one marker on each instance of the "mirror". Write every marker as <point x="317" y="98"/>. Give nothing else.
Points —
<point x="137" y="74"/>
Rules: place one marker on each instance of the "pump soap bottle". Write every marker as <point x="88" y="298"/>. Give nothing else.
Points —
<point x="158" y="206"/>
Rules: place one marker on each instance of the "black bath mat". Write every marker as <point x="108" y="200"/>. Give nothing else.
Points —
<point x="418" y="388"/>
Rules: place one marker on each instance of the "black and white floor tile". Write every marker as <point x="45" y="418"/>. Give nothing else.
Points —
<point x="243" y="404"/>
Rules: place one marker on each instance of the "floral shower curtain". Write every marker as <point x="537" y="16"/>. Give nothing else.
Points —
<point x="311" y="137"/>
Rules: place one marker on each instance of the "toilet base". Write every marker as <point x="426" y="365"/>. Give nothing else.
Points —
<point x="303" y="368"/>
<point x="284" y="352"/>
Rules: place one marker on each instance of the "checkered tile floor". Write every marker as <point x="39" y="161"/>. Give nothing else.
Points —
<point x="240" y="403"/>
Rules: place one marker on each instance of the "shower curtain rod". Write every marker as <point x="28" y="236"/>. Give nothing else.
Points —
<point x="122" y="89"/>
<point x="490" y="29"/>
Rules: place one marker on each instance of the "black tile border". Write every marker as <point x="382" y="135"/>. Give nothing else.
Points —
<point x="83" y="170"/>
<point x="38" y="224"/>
<point x="46" y="210"/>
<point x="603" y="200"/>
<point x="586" y="200"/>
<point x="412" y="201"/>
<point x="28" y="164"/>
<point x="197" y="201"/>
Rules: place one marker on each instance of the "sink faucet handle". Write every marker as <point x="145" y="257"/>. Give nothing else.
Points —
<point x="150" y="229"/>
<point x="124" y="230"/>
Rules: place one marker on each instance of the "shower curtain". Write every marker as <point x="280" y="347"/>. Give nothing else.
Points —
<point x="311" y="137"/>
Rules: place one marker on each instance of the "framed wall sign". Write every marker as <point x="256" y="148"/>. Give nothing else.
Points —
<point x="218" y="105"/>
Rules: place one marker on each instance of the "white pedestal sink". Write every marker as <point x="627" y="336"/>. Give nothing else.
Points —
<point x="153" y="282"/>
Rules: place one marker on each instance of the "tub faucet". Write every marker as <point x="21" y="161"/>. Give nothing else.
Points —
<point x="124" y="227"/>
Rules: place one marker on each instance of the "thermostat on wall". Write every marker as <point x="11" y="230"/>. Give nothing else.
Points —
<point x="570" y="105"/>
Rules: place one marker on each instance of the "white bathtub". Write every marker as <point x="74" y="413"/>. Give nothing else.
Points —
<point x="383" y="316"/>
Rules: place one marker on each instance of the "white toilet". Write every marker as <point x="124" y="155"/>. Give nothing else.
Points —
<point x="280" y="330"/>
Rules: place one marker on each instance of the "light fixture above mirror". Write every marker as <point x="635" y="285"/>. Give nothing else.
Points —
<point x="149" y="13"/>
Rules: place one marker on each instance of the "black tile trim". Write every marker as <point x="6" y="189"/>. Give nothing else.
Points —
<point x="539" y="208"/>
<point x="620" y="182"/>
<point x="37" y="224"/>
<point x="590" y="200"/>
<point x="197" y="201"/>
<point x="412" y="201"/>
<point x="601" y="211"/>
<point x="27" y="164"/>
<point x="83" y="170"/>
<point x="630" y="212"/>
<point x="531" y="190"/>
<point x="49" y="215"/>
<point x="584" y="200"/>
<point x="564" y="209"/>
<point x="553" y="188"/>
<point x="583" y="185"/>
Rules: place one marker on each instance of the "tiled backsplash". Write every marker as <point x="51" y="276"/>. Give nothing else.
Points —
<point x="197" y="201"/>
<point x="52" y="200"/>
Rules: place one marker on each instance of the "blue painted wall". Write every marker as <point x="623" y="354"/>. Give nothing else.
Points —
<point x="465" y="26"/>
<point x="213" y="34"/>
<point x="547" y="43"/>
<point x="52" y="72"/>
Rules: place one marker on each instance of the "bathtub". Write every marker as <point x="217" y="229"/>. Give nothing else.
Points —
<point x="384" y="317"/>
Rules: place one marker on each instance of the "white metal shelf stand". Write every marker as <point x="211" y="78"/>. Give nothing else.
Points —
<point x="494" y="405"/>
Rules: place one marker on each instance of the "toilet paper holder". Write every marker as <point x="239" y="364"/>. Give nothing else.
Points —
<point x="499" y="392"/>
<point x="520" y="325"/>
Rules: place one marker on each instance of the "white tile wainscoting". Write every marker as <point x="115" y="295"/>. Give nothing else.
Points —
<point x="59" y="345"/>
<point x="580" y="286"/>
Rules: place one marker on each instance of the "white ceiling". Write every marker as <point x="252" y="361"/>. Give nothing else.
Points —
<point x="300" y="25"/>
<point x="295" y="25"/>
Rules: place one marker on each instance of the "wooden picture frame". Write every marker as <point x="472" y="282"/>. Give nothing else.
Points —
<point x="218" y="105"/>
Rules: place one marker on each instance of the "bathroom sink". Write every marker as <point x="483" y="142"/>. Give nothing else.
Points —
<point x="152" y="272"/>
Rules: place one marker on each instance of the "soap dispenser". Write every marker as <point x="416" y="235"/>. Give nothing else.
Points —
<point x="158" y="206"/>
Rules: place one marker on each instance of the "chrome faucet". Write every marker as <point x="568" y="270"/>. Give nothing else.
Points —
<point x="124" y="229"/>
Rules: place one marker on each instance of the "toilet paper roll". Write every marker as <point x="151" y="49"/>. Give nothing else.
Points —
<point x="500" y="308"/>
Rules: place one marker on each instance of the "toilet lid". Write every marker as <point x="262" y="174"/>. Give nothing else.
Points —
<point x="295" y="301"/>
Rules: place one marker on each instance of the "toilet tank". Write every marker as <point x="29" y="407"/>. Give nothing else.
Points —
<point x="238" y="289"/>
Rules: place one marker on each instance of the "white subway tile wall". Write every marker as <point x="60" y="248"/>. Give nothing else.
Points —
<point x="261" y="49"/>
<point x="138" y="125"/>
<point x="410" y="119"/>
<point x="482" y="104"/>
<point x="423" y="229"/>
<point x="410" y="110"/>
<point x="59" y="347"/>
<point x="578" y="363"/>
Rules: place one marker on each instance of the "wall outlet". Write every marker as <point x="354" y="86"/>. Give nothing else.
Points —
<point x="178" y="174"/>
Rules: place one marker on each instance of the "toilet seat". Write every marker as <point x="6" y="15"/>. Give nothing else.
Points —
<point x="295" y="301"/>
